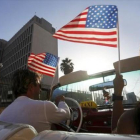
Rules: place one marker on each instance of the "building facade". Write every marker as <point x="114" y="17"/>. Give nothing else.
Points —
<point x="34" y="37"/>
<point x="2" y="45"/>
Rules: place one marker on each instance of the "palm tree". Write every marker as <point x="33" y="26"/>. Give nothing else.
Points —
<point x="67" y="66"/>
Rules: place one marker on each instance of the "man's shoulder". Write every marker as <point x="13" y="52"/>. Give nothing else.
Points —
<point x="129" y="113"/>
<point x="49" y="103"/>
<point x="127" y="116"/>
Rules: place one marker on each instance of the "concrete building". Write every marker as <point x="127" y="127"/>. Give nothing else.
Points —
<point x="2" y="45"/>
<point x="34" y="37"/>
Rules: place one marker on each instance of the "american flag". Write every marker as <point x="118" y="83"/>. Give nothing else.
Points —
<point x="95" y="25"/>
<point x="43" y="63"/>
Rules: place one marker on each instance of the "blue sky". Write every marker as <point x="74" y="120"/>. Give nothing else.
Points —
<point x="15" y="13"/>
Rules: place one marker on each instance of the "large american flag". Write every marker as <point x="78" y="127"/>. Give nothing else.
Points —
<point x="43" y="63"/>
<point x="95" y="25"/>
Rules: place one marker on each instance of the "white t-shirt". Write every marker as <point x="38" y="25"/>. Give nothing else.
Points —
<point x="39" y="114"/>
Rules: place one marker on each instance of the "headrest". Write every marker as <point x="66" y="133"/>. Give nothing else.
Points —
<point x="52" y="135"/>
<point x="10" y="130"/>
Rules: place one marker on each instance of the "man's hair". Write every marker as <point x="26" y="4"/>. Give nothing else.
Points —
<point x="22" y="79"/>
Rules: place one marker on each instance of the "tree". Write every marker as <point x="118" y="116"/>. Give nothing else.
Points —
<point x="67" y="66"/>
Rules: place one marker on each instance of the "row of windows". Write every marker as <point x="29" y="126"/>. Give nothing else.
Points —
<point x="22" y="37"/>
<point x="10" y="75"/>
<point x="17" y="55"/>
<point x="17" y="48"/>
<point x="15" y="65"/>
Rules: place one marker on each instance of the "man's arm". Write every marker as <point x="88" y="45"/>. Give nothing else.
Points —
<point x="117" y="105"/>
<point x="60" y="113"/>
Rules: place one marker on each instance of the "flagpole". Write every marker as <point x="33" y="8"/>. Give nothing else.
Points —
<point x="53" y="81"/>
<point x="118" y="42"/>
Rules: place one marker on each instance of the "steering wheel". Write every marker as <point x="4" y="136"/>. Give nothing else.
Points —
<point x="66" y="125"/>
<point x="80" y="109"/>
<point x="67" y="98"/>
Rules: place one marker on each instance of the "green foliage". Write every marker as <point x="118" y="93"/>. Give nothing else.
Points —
<point x="67" y="66"/>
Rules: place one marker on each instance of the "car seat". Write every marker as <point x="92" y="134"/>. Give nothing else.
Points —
<point x="14" y="131"/>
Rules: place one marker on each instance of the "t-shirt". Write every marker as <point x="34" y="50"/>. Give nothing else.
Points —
<point x="39" y="114"/>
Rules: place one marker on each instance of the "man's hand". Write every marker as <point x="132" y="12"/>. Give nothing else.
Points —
<point x="59" y="98"/>
<point x="118" y="84"/>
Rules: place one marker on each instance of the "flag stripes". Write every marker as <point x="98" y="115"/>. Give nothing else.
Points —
<point x="35" y="63"/>
<point x="77" y="30"/>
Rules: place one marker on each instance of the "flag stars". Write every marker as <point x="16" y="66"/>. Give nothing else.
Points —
<point x="50" y="60"/>
<point x="100" y="16"/>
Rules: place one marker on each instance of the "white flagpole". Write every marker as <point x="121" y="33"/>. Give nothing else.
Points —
<point x="118" y="45"/>
<point x="53" y="80"/>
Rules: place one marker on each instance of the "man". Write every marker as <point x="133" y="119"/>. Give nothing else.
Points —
<point x="127" y="122"/>
<point x="106" y="96"/>
<point x="27" y="109"/>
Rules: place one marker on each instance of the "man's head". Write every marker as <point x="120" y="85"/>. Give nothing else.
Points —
<point x="26" y="82"/>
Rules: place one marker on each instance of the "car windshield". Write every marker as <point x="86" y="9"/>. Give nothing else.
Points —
<point x="81" y="91"/>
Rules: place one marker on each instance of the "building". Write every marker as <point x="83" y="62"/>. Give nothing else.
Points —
<point x="34" y="37"/>
<point x="2" y="45"/>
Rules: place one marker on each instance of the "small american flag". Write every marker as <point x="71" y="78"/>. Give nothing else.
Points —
<point x="43" y="63"/>
<point x="95" y="25"/>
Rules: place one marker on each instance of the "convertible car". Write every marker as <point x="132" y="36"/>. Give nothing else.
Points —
<point x="94" y="95"/>
<point x="89" y="99"/>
